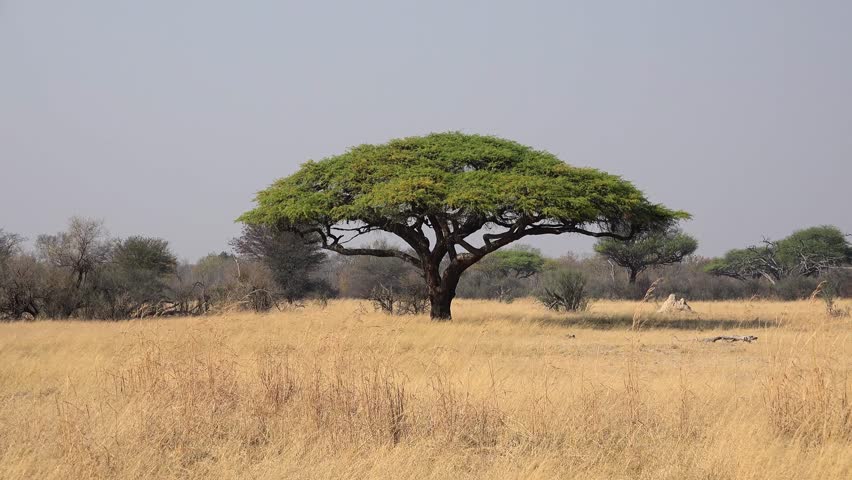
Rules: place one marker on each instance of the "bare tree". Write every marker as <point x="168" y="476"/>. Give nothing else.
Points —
<point x="80" y="249"/>
<point x="8" y="244"/>
<point x="24" y="288"/>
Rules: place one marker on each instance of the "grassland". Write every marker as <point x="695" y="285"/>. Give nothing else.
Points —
<point x="503" y="391"/>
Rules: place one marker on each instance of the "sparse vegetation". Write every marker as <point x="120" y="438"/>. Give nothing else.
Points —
<point x="261" y="375"/>
<point x="564" y="289"/>
<point x="502" y="392"/>
<point x="405" y="300"/>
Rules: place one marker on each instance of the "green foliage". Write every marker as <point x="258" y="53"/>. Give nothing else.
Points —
<point x="647" y="249"/>
<point x="814" y="250"/>
<point x="453" y="186"/>
<point x="136" y="275"/>
<point x="563" y="289"/>
<point x="452" y="173"/>
<point x="521" y="262"/>
<point x="809" y="253"/>
<point x="145" y="253"/>
<point x="752" y="262"/>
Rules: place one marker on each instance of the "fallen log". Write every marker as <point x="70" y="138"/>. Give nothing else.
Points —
<point x="730" y="338"/>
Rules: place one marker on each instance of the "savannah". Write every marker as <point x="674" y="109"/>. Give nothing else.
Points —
<point x="503" y="391"/>
<point x="425" y="240"/>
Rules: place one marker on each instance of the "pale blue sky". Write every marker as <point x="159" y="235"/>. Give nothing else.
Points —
<point x="165" y="117"/>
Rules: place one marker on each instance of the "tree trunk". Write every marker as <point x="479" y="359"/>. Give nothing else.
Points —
<point x="442" y="290"/>
<point x="633" y="274"/>
<point x="440" y="306"/>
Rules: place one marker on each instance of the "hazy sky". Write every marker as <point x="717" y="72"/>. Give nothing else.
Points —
<point x="165" y="117"/>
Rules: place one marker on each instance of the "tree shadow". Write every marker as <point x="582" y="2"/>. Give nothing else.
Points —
<point x="614" y="322"/>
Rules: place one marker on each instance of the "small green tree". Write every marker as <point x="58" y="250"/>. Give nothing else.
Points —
<point x="453" y="199"/>
<point x="648" y="249"/>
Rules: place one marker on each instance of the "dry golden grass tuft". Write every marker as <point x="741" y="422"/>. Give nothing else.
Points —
<point x="503" y="391"/>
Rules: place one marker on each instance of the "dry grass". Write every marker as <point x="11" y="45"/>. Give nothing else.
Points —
<point x="503" y="391"/>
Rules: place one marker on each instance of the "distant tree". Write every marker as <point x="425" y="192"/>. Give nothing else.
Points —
<point x="8" y="245"/>
<point x="504" y="275"/>
<point x="751" y="262"/>
<point x="14" y="300"/>
<point x="215" y="269"/>
<point x="436" y="192"/>
<point x="135" y="276"/>
<point x="81" y="249"/>
<point x="814" y="251"/>
<point x="521" y="262"/>
<point x="291" y="258"/>
<point x="148" y="254"/>
<point x="648" y="249"/>
<point x="810" y="252"/>
<point x="358" y="277"/>
<point x="25" y="288"/>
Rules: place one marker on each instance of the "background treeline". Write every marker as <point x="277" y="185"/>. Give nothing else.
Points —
<point x="82" y="272"/>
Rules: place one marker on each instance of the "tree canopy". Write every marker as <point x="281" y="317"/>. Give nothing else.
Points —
<point x="809" y="252"/>
<point x="145" y="253"/>
<point x="647" y="249"/>
<point x="453" y="196"/>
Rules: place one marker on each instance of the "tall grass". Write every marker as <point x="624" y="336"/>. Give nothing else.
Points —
<point x="495" y="394"/>
<point x="808" y="398"/>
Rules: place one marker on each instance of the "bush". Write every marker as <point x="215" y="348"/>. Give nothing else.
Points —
<point x="563" y="290"/>
<point x="404" y="301"/>
<point x="794" y="287"/>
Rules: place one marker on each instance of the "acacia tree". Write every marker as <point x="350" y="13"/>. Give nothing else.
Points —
<point x="756" y="261"/>
<point x="648" y="249"/>
<point x="815" y="250"/>
<point x="809" y="253"/>
<point x="452" y="199"/>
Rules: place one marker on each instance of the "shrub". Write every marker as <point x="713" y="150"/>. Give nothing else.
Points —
<point x="402" y="301"/>
<point x="563" y="290"/>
